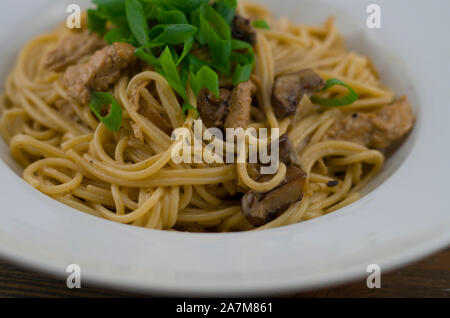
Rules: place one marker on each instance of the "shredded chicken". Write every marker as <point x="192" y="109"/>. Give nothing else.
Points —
<point x="72" y="48"/>
<point x="240" y="105"/>
<point x="379" y="129"/>
<point x="101" y="71"/>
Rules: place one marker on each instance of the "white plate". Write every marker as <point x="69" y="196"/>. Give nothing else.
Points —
<point x="406" y="217"/>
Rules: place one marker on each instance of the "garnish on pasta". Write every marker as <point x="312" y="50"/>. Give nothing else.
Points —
<point x="261" y="24"/>
<point x="346" y="100"/>
<point x="112" y="121"/>
<point x="178" y="27"/>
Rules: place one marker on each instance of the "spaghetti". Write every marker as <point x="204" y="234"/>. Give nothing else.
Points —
<point x="128" y="176"/>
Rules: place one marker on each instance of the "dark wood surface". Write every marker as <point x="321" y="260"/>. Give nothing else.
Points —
<point x="428" y="278"/>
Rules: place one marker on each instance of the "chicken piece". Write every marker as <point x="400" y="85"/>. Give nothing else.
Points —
<point x="72" y="48"/>
<point x="289" y="89"/>
<point x="380" y="129"/>
<point x="242" y="29"/>
<point x="240" y="106"/>
<point x="261" y="208"/>
<point x="213" y="111"/>
<point x="101" y="71"/>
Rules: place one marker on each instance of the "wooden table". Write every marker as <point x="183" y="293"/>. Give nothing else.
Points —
<point x="428" y="278"/>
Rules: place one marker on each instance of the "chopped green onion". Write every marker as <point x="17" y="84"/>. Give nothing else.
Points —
<point x="261" y="24"/>
<point x="217" y="34"/>
<point x="172" y="34"/>
<point x="148" y="57"/>
<point x="137" y="21"/>
<point x="205" y="78"/>
<point x="120" y="34"/>
<point x="111" y="8"/>
<point x="150" y="10"/>
<point x="95" y="22"/>
<point x="170" y="72"/>
<point x="242" y="73"/>
<point x="195" y="64"/>
<point x="227" y="9"/>
<point x="113" y="121"/>
<point x="185" y="5"/>
<point x="348" y="99"/>
<point x="240" y="45"/>
<point x="244" y="61"/>
<point x="195" y="20"/>
<point x="184" y="72"/>
<point x="171" y="16"/>
<point x="187" y="107"/>
<point x="188" y="44"/>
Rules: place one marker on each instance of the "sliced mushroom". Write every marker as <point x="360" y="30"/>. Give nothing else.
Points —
<point x="242" y="29"/>
<point x="213" y="111"/>
<point x="261" y="208"/>
<point x="240" y="105"/>
<point x="289" y="89"/>
<point x="288" y="155"/>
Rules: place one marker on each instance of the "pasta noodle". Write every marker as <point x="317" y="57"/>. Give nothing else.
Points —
<point x="133" y="181"/>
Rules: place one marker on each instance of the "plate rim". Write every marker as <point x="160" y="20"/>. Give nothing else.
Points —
<point x="394" y="261"/>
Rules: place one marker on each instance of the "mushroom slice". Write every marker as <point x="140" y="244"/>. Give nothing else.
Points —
<point x="289" y="89"/>
<point x="213" y="111"/>
<point x="261" y="208"/>
<point x="242" y="29"/>
<point x="287" y="153"/>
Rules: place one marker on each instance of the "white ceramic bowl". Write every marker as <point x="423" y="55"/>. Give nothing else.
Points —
<point x="404" y="218"/>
